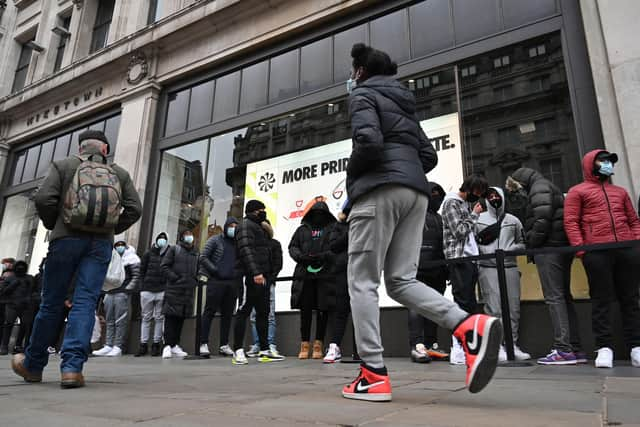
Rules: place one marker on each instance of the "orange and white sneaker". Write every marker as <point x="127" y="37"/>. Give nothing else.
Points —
<point x="480" y="336"/>
<point x="369" y="385"/>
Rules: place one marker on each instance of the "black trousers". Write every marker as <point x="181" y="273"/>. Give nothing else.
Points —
<point x="421" y="329"/>
<point x="463" y="277"/>
<point x="342" y="311"/>
<point x="26" y="315"/>
<point x="252" y="296"/>
<point x="172" y="330"/>
<point x="221" y="296"/>
<point x="308" y="302"/>
<point x="614" y="274"/>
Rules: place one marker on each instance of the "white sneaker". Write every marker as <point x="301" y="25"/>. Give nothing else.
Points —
<point x="520" y="355"/>
<point x="52" y="350"/>
<point x="178" y="352"/>
<point x="333" y="354"/>
<point x="253" y="351"/>
<point x="457" y="356"/>
<point x="635" y="357"/>
<point x="605" y="358"/>
<point x="204" y="350"/>
<point x="115" y="352"/>
<point x="274" y="350"/>
<point x="502" y="354"/>
<point x="103" y="351"/>
<point x="239" y="358"/>
<point x="225" y="350"/>
<point x="166" y="352"/>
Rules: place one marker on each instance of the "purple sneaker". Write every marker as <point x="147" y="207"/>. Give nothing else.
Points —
<point x="581" y="357"/>
<point x="558" y="358"/>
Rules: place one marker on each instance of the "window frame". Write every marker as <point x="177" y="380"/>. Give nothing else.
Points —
<point x="24" y="61"/>
<point x="101" y="23"/>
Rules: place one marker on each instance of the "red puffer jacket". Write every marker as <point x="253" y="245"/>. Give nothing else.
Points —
<point x="598" y="212"/>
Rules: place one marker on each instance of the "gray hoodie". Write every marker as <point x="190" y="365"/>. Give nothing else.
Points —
<point x="511" y="233"/>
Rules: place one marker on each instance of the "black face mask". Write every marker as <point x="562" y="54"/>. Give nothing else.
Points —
<point x="435" y="202"/>
<point x="472" y="198"/>
<point x="262" y="216"/>
<point x="496" y="203"/>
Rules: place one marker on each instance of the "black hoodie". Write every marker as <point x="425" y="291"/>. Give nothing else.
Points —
<point x="153" y="279"/>
<point x="389" y="146"/>
<point x="219" y="257"/>
<point x="17" y="290"/>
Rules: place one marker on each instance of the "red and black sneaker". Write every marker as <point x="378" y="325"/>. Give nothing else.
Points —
<point x="371" y="384"/>
<point x="480" y="336"/>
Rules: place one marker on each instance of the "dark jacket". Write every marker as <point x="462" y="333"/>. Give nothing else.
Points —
<point x="49" y="200"/>
<point x="180" y="267"/>
<point x="339" y="244"/>
<point x="389" y="146"/>
<point x="18" y="289"/>
<point x="432" y="248"/>
<point x="543" y="222"/>
<point x="276" y="260"/>
<point x="153" y="279"/>
<point x="307" y="250"/>
<point x="254" y="255"/>
<point x="220" y="249"/>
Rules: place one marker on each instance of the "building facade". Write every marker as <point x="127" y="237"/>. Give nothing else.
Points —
<point x="190" y="92"/>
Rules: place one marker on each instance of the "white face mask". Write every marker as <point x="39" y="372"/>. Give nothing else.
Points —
<point x="351" y="85"/>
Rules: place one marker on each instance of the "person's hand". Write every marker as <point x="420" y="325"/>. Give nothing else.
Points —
<point x="478" y="208"/>
<point x="68" y="303"/>
<point x="259" y="280"/>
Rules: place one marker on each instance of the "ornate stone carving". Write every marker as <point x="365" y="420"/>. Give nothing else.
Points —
<point x="138" y="68"/>
<point x="78" y="3"/>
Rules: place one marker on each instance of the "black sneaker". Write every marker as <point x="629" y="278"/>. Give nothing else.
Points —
<point x="156" y="349"/>
<point x="143" y="350"/>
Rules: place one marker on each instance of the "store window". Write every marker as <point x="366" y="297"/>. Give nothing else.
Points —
<point x="19" y="227"/>
<point x="253" y="93"/>
<point x="342" y="44"/>
<point x="483" y="14"/>
<point x="284" y="76"/>
<point x="315" y="66"/>
<point x="201" y="105"/>
<point x="390" y="34"/>
<point x="177" y="112"/>
<point x="436" y="16"/>
<point x="225" y="104"/>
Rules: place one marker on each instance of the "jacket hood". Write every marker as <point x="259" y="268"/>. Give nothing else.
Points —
<point x="162" y="235"/>
<point x="266" y="226"/>
<point x="526" y="177"/>
<point x="588" y="165"/>
<point x="20" y="268"/>
<point x="321" y="211"/>
<point x="129" y="257"/>
<point x="434" y="204"/>
<point x="392" y="89"/>
<point x="490" y="209"/>
<point x="228" y="222"/>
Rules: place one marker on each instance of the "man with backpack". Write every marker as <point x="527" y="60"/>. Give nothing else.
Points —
<point x="84" y="202"/>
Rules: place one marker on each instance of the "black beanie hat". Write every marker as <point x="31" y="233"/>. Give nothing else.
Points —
<point x="94" y="134"/>
<point x="253" y="205"/>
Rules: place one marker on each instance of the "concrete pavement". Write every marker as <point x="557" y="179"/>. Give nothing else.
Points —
<point x="131" y="391"/>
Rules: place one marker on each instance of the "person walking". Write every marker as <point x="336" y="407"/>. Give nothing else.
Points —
<point x="18" y="291"/>
<point x="387" y="186"/>
<point x="254" y="259"/>
<point x="309" y="248"/>
<point x="218" y="263"/>
<point x="180" y="267"/>
<point x="80" y="244"/>
<point x="153" y="284"/>
<point x="423" y="333"/>
<point x="597" y="211"/>
<point x="497" y="229"/>
<point x="6" y="271"/>
<point x="544" y="228"/>
<point x="460" y="213"/>
<point x="116" y="303"/>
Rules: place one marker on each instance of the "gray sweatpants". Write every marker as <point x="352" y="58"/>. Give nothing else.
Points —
<point x="488" y="280"/>
<point x="116" y="308"/>
<point x="151" y="309"/>
<point x="385" y="233"/>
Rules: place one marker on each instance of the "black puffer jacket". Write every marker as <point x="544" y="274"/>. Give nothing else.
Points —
<point x="153" y="279"/>
<point x="254" y="255"/>
<point x="389" y="146"/>
<point x="214" y="253"/>
<point x="543" y="223"/>
<point x="307" y="251"/>
<point x="432" y="248"/>
<point x="276" y="259"/>
<point x="180" y="266"/>
<point x="17" y="290"/>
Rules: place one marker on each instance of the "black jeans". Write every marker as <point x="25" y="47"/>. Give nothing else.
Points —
<point x="614" y="274"/>
<point x="221" y="296"/>
<point x="308" y="302"/>
<point x="463" y="277"/>
<point x="172" y="330"/>
<point x="252" y="296"/>
<point x="13" y="312"/>
<point x="343" y="308"/>
<point x="421" y="329"/>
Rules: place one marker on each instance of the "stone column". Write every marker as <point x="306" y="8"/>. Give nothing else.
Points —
<point x="135" y="139"/>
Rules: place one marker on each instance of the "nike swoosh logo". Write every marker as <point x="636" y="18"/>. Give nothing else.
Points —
<point x="360" y="387"/>
<point x="473" y="345"/>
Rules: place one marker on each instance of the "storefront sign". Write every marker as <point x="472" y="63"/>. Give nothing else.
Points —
<point x="72" y="103"/>
<point x="289" y="185"/>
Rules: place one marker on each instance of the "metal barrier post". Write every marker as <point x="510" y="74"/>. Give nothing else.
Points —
<point x="197" y="354"/>
<point x="504" y="302"/>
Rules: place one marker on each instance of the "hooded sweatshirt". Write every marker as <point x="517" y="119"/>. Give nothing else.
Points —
<point x="597" y="211"/>
<point x="17" y="289"/>
<point x="459" y="223"/>
<point x="153" y="279"/>
<point x="219" y="257"/>
<point x="511" y="233"/>
<point x="131" y="263"/>
<point x="310" y="244"/>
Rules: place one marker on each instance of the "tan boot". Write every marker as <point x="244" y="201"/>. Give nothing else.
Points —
<point x="71" y="380"/>
<point x="17" y="363"/>
<point x="304" y="350"/>
<point x="317" y="350"/>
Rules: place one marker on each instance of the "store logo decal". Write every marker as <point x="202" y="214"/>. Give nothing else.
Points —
<point x="266" y="182"/>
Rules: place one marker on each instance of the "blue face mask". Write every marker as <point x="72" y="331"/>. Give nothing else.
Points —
<point x="606" y="168"/>
<point x="351" y="85"/>
<point x="231" y="232"/>
<point x="188" y="239"/>
<point x="120" y="249"/>
<point x="161" y="243"/>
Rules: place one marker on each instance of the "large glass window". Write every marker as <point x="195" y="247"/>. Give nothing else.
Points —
<point x="316" y="69"/>
<point x="389" y="34"/>
<point x="22" y="69"/>
<point x="283" y="80"/>
<point x="177" y="112"/>
<point x="19" y="227"/>
<point x="342" y="44"/>
<point x="476" y="18"/>
<point x="46" y="155"/>
<point x="225" y="104"/>
<point x="201" y="104"/>
<point x="436" y="16"/>
<point x="102" y="25"/>
<point x="253" y="94"/>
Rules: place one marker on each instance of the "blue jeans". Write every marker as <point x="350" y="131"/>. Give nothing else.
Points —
<point x="271" y="334"/>
<point x="88" y="260"/>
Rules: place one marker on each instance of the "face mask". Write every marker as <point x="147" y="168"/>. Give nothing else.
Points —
<point x="231" y="232"/>
<point x="472" y="198"/>
<point x="496" y="203"/>
<point x="188" y="239"/>
<point x="351" y="85"/>
<point x="161" y="243"/>
<point x="262" y="216"/>
<point x="120" y="249"/>
<point x="606" y="168"/>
